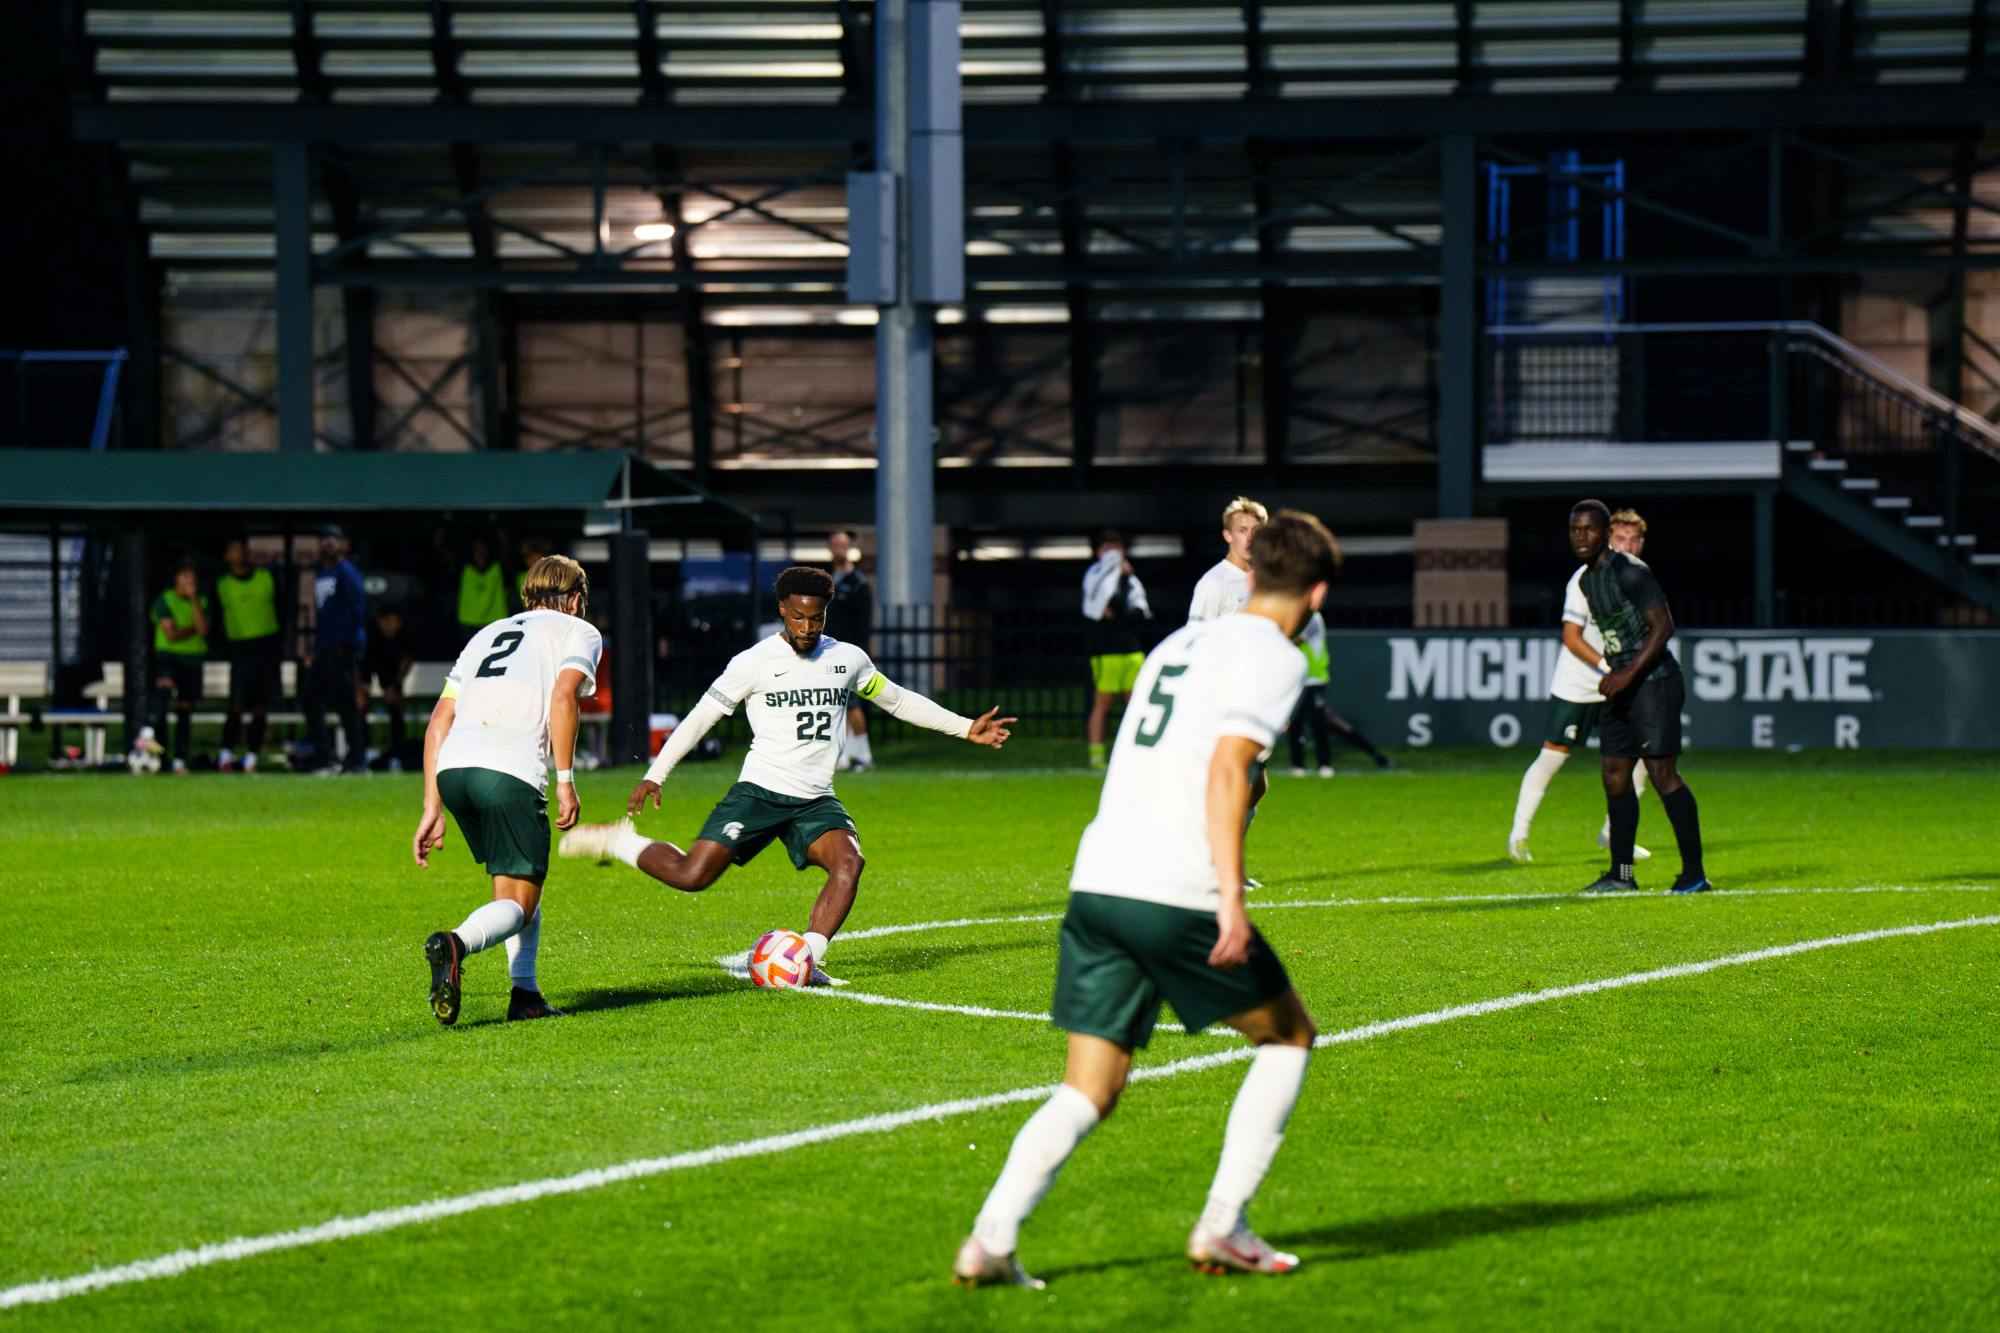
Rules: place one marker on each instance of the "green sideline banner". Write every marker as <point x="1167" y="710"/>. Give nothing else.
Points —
<point x="1746" y="689"/>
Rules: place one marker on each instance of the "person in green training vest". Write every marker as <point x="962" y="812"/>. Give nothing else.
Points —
<point x="482" y="589"/>
<point x="1314" y="713"/>
<point x="180" y="642"/>
<point x="249" y="598"/>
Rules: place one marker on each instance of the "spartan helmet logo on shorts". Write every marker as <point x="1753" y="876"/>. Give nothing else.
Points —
<point x="732" y="830"/>
<point x="1570" y="731"/>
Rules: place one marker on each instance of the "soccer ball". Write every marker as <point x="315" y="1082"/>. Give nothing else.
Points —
<point x="780" y="958"/>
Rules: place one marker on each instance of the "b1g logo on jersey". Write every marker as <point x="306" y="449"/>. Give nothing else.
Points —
<point x="838" y="669"/>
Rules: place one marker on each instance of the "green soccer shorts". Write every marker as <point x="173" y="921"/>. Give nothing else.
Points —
<point x="748" y="817"/>
<point x="1570" y="724"/>
<point x="1120" y="957"/>
<point x="504" y="820"/>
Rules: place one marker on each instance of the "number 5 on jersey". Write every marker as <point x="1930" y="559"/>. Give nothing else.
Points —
<point x="1152" y="728"/>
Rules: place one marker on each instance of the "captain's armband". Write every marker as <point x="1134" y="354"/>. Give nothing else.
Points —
<point x="878" y="689"/>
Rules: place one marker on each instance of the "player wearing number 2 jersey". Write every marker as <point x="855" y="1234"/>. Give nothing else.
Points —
<point x="796" y="687"/>
<point x="1156" y="910"/>
<point x="508" y="704"/>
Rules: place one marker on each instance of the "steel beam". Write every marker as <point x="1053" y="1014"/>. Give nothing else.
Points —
<point x="1458" y="327"/>
<point x="1327" y="119"/>
<point x="291" y="168"/>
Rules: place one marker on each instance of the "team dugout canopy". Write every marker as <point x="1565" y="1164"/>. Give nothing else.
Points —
<point x="56" y="482"/>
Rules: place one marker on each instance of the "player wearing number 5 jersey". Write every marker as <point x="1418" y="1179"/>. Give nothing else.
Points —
<point x="796" y="686"/>
<point x="508" y="704"/>
<point x="1156" y="910"/>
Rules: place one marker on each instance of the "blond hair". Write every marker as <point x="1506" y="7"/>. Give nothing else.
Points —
<point x="1243" y="504"/>
<point x="1629" y="518"/>
<point x="553" y="579"/>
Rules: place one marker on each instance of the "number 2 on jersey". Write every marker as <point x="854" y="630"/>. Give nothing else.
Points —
<point x="505" y="644"/>
<point x="1152" y="728"/>
<point x="809" y="721"/>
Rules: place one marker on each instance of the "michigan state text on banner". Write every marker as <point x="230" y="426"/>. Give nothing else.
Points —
<point x="1746" y="689"/>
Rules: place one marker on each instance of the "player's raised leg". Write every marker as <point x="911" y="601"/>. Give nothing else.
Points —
<point x="1092" y="1079"/>
<point x="690" y="871"/>
<point x="1222" y="1240"/>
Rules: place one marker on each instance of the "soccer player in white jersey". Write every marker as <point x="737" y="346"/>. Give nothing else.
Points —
<point x="796" y="685"/>
<point x="1574" y="702"/>
<point x="1156" y="911"/>
<point x="1224" y="589"/>
<point x="508" y="706"/>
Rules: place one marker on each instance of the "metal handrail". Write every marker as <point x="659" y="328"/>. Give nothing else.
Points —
<point x="1982" y="433"/>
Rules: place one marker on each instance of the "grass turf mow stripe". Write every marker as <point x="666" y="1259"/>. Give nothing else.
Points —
<point x="389" y="1219"/>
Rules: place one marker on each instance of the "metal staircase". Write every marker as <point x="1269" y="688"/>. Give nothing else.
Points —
<point x="1893" y="460"/>
<point x="1786" y="404"/>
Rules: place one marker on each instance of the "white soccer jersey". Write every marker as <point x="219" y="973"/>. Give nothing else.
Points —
<point x="1575" y="680"/>
<point x="798" y="710"/>
<point x="1238" y="676"/>
<point x="503" y="680"/>
<point x="1223" y="591"/>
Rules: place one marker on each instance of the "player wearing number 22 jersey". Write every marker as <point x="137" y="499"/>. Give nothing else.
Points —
<point x="795" y="686"/>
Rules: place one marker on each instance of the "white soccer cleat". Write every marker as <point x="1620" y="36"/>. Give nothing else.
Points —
<point x="1297" y="771"/>
<point x="1638" y="853"/>
<point x="974" y="1267"/>
<point x="593" y="840"/>
<point x="1242" y="1251"/>
<point x="250" y="762"/>
<point x="818" y="977"/>
<point x="1326" y="770"/>
<point x="1252" y="885"/>
<point x="1517" y="849"/>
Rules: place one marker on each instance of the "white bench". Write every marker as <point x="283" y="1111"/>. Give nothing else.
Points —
<point x="29" y="680"/>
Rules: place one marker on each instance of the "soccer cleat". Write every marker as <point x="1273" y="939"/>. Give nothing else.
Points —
<point x="525" y="1004"/>
<point x="592" y="840"/>
<point x="1252" y="885"/>
<point x="1242" y="1251"/>
<point x="1604" y="841"/>
<point x="1610" y="883"/>
<point x="180" y="765"/>
<point x="1517" y="849"/>
<point x="1382" y="761"/>
<point x="226" y="762"/>
<point x="859" y="766"/>
<point x="250" y="762"/>
<point x="1691" y="884"/>
<point x="444" y="951"/>
<point x="1326" y="770"/>
<point x="817" y="977"/>
<point x="974" y="1267"/>
<point x="1298" y="771"/>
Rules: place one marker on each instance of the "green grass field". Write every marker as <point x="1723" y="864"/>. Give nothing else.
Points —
<point x="212" y="1025"/>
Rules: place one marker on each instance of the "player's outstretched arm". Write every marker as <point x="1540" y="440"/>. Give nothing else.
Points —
<point x="1228" y="804"/>
<point x="987" y="729"/>
<point x="698" y="723"/>
<point x="430" y="825"/>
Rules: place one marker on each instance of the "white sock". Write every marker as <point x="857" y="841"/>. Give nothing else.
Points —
<point x="859" y="750"/>
<point x="522" y="946"/>
<point x="1039" y="1151"/>
<point x="1256" y="1128"/>
<point x="626" y="844"/>
<point x="1534" y="786"/>
<point x="816" y="945"/>
<point x="490" y="924"/>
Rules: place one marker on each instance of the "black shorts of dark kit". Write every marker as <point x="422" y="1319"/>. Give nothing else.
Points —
<point x="1644" y="720"/>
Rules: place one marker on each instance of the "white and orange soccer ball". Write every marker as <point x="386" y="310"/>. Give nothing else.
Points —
<point x="780" y="958"/>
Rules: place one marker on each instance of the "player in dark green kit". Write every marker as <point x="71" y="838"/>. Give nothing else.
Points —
<point x="1643" y="695"/>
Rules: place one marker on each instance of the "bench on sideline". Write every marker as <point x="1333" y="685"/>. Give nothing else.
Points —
<point x="26" y="682"/>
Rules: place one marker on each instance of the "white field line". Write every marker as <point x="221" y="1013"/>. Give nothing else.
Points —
<point x="738" y="964"/>
<point x="389" y="1219"/>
